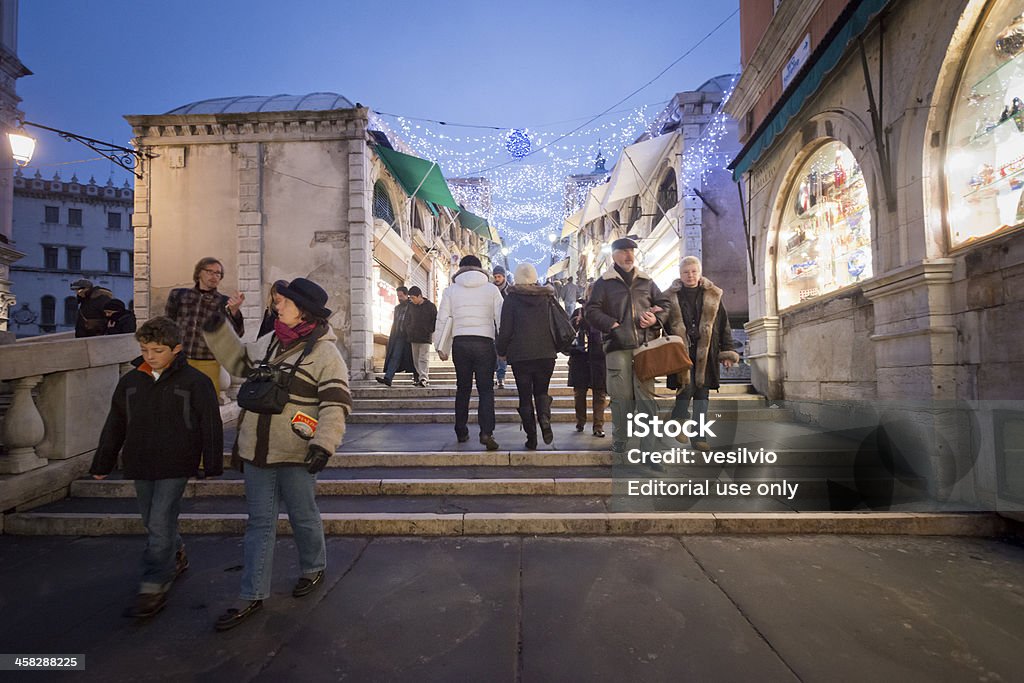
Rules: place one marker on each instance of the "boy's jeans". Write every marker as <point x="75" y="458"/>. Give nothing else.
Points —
<point x="265" y="488"/>
<point x="159" y="504"/>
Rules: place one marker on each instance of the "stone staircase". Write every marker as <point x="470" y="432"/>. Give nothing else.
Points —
<point x="401" y="472"/>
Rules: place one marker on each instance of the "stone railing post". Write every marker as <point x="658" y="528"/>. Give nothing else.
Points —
<point x="23" y="429"/>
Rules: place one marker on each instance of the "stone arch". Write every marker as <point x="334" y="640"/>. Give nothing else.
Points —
<point x="835" y="124"/>
<point x="924" y="138"/>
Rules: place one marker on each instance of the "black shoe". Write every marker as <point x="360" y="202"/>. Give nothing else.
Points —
<point x="180" y="562"/>
<point x="531" y="443"/>
<point x="383" y="380"/>
<point x="146" y="605"/>
<point x="305" y="586"/>
<point x="501" y="384"/>
<point x="233" y="617"/>
<point x="598" y="432"/>
<point x="488" y="440"/>
<point x="579" y="427"/>
<point x="463" y="438"/>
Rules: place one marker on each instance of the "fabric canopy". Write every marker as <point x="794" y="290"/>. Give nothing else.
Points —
<point x="847" y="28"/>
<point x="634" y="170"/>
<point x="479" y="225"/>
<point x="572" y="224"/>
<point x="418" y="177"/>
<point x="557" y="268"/>
<point x="597" y="204"/>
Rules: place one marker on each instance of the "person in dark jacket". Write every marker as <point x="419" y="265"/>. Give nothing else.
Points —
<point x="524" y="338"/>
<point x="91" y="321"/>
<point x="270" y="312"/>
<point x="419" y="329"/>
<point x="502" y="283"/>
<point x="164" y="421"/>
<point x="587" y="371"/>
<point x="628" y="308"/>
<point x="697" y="314"/>
<point x="398" y="354"/>
<point x="119" y="319"/>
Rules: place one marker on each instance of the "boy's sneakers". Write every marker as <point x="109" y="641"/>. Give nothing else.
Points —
<point x="180" y="562"/>
<point x="146" y="605"/>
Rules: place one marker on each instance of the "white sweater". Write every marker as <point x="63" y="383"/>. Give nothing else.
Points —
<point x="473" y="303"/>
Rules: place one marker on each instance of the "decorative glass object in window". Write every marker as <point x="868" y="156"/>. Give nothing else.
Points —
<point x="985" y="140"/>
<point x="825" y="236"/>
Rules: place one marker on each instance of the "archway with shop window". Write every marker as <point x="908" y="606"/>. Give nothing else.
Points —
<point x="824" y="236"/>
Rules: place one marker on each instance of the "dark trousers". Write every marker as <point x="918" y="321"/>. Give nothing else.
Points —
<point x="400" y="349"/>
<point x="532" y="380"/>
<point x="474" y="356"/>
<point x="681" y="409"/>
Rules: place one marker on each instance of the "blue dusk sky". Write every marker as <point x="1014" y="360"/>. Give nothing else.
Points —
<point x="528" y="64"/>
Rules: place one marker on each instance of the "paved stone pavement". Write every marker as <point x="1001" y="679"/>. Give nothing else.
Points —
<point x="709" y="608"/>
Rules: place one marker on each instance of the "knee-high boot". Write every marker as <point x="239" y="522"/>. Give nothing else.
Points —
<point x="529" y="426"/>
<point x="544" y="417"/>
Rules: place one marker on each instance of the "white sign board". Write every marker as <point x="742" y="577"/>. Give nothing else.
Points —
<point x="796" y="62"/>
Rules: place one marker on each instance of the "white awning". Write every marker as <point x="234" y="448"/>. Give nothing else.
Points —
<point x="557" y="268"/>
<point x="597" y="204"/>
<point x="636" y="165"/>
<point x="572" y="224"/>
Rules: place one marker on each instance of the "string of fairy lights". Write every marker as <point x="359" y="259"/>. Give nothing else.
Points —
<point x="526" y="181"/>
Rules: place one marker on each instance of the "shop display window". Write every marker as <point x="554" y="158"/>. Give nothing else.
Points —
<point x="985" y="151"/>
<point x="386" y="286"/>
<point x="825" y="238"/>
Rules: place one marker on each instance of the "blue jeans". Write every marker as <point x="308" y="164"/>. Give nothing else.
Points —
<point x="159" y="505"/>
<point x="265" y="488"/>
<point x="502" y="368"/>
<point x="474" y="356"/>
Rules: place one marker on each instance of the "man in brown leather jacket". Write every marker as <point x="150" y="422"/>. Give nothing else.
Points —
<point x="629" y="309"/>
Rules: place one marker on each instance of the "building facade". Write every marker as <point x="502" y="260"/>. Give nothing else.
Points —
<point x="881" y="167"/>
<point x="292" y="186"/>
<point x="11" y="69"/>
<point x="67" y="231"/>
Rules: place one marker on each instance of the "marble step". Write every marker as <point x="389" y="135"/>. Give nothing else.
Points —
<point x="511" y="402"/>
<point x="446" y="416"/>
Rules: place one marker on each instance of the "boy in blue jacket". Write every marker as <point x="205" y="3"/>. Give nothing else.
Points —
<point x="164" y="420"/>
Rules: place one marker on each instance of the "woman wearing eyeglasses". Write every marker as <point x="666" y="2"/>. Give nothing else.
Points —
<point x="191" y="307"/>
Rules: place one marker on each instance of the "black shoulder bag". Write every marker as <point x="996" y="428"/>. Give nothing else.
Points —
<point x="266" y="389"/>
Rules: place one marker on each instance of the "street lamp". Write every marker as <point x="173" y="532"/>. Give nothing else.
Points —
<point x="23" y="146"/>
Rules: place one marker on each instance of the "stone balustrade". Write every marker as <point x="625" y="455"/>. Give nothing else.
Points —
<point x="46" y="436"/>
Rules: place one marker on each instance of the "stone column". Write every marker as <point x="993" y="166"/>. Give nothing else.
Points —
<point x="915" y="338"/>
<point x="141" y="225"/>
<point x="23" y="429"/>
<point x="250" y="232"/>
<point x="360" y="225"/>
<point x="766" y="356"/>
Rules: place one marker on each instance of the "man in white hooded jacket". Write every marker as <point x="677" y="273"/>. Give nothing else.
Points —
<point x="473" y="304"/>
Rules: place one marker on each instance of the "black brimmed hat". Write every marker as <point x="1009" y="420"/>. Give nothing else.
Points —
<point x="307" y="295"/>
<point x="623" y="243"/>
<point x="81" y="284"/>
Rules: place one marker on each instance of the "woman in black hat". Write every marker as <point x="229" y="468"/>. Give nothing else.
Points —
<point x="283" y="452"/>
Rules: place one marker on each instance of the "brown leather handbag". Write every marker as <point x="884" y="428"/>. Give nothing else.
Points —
<point x="660" y="357"/>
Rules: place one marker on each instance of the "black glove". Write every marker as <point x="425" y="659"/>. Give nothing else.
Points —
<point x="317" y="457"/>
<point x="213" y="323"/>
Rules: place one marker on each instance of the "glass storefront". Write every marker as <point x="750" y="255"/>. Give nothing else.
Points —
<point x="825" y="237"/>
<point x="985" y="152"/>
<point x="386" y="286"/>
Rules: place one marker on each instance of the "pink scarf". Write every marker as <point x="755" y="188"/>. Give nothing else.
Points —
<point x="289" y="335"/>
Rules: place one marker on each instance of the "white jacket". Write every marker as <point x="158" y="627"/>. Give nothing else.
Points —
<point x="474" y="305"/>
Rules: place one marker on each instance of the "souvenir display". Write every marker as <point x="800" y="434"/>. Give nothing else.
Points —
<point x="985" y="151"/>
<point x="825" y="241"/>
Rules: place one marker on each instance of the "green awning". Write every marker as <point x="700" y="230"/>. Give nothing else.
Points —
<point x="479" y="225"/>
<point x="847" y="28"/>
<point x="418" y="177"/>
